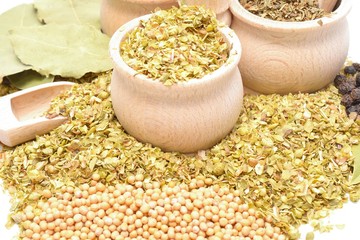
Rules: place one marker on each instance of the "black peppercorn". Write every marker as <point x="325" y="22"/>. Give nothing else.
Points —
<point x="356" y="66"/>
<point x="346" y="86"/>
<point x="350" y="70"/>
<point x="339" y="79"/>
<point x="346" y="100"/>
<point x="353" y="108"/>
<point x="355" y="94"/>
<point x="357" y="80"/>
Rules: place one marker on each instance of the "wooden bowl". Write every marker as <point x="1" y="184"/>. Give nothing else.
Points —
<point x="185" y="117"/>
<point x="289" y="57"/>
<point x="114" y="13"/>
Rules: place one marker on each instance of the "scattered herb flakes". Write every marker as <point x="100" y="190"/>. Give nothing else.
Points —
<point x="84" y="12"/>
<point x="294" y="175"/>
<point x="48" y="50"/>
<point x="310" y="236"/>
<point x="285" y="10"/>
<point x="176" y="45"/>
<point x="6" y="88"/>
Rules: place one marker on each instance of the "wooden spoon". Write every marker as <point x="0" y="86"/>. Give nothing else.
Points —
<point x="21" y="113"/>
<point x="327" y="5"/>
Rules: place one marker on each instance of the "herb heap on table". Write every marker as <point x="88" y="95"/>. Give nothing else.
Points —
<point x="289" y="159"/>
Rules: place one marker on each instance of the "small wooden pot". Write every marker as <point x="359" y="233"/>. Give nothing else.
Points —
<point x="185" y="117"/>
<point x="114" y="13"/>
<point x="288" y="57"/>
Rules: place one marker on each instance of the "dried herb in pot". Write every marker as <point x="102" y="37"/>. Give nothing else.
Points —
<point x="284" y="10"/>
<point x="176" y="45"/>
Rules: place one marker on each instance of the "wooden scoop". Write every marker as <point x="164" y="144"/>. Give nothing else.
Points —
<point x="327" y="5"/>
<point x="20" y="113"/>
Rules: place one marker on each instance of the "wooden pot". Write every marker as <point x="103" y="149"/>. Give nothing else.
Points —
<point x="288" y="57"/>
<point x="185" y="117"/>
<point x="114" y="13"/>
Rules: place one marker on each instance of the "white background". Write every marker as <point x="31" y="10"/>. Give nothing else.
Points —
<point x="349" y="215"/>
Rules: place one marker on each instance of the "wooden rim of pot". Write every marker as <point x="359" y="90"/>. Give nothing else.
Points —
<point x="267" y="24"/>
<point x="212" y="79"/>
<point x="152" y="2"/>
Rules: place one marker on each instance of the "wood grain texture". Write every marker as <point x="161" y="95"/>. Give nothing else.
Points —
<point x="327" y="5"/>
<point x="115" y="13"/>
<point x="225" y="17"/>
<point x="288" y="57"/>
<point x="21" y="113"/>
<point x="184" y="117"/>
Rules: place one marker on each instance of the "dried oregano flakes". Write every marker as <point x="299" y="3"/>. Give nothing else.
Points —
<point x="176" y="45"/>
<point x="290" y="159"/>
<point x="285" y="10"/>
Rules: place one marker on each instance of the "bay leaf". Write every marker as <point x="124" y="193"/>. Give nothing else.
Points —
<point x="356" y="173"/>
<point x="69" y="11"/>
<point x="29" y="78"/>
<point x="19" y="16"/>
<point x="9" y="62"/>
<point x="66" y="50"/>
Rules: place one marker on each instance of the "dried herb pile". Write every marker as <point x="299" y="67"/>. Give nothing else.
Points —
<point x="290" y="159"/>
<point x="176" y="45"/>
<point x="284" y="10"/>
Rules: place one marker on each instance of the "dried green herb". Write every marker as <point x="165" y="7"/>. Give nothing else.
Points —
<point x="285" y="10"/>
<point x="310" y="236"/>
<point x="51" y="52"/>
<point x="47" y="49"/>
<point x="176" y="45"/>
<point x="28" y="79"/>
<point x="83" y="12"/>
<point x="356" y="173"/>
<point x="19" y="16"/>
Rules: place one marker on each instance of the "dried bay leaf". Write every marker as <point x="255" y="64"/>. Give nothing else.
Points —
<point x="49" y="51"/>
<point x="19" y="16"/>
<point x="28" y="79"/>
<point x="69" y="11"/>
<point x="9" y="63"/>
<point x="356" y="173"/>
